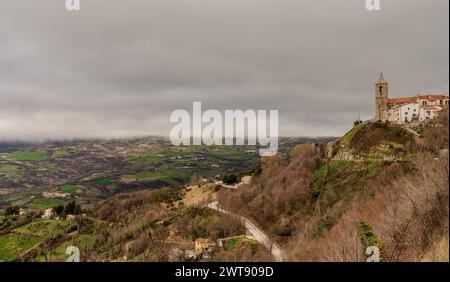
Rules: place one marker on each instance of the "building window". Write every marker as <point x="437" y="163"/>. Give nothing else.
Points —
<point x="441" y="102"/>
<point x="424" y="103"/>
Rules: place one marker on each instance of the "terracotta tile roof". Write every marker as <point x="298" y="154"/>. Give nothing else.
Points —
<point x="402" y="100"/>
<point x="432" y="97"/>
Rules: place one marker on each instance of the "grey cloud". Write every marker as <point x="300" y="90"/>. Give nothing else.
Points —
<point x="119" y="68"/>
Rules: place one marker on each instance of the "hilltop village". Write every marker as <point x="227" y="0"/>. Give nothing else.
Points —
<point x="421" y="107"/>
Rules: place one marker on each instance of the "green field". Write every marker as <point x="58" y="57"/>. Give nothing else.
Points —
<point x="10" y="172"/>
<point x="62" y="152"/>
<point x="68" y="188"/>
<point x="230" y="152"/>
<point x="176" y="165"/>
<point x="12" y="245"/>
<point x="164" y="155"/>
<point x="159" y="166"/>
<point x="43" y="228"/>
<point x="28" y="156"/>
<point x="231" y="244"/>
<point x="20" y="199"/>
<point x="42" y="203"/>
<point x="179" y="155"/>
<point x="171" y="178"/>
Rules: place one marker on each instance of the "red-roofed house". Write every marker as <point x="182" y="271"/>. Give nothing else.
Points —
<point x="398" y="101"/>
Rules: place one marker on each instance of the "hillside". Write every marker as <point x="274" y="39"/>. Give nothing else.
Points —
<point x="384" y="187"/>
<point x="140" y="226"/>
<point x="374" y="141"/>
<point x="106" y="177"/>
<point x="378" y="185"/>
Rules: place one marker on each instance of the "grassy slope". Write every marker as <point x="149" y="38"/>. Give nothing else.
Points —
<point x="231" y="244"/>
<point x="375" y="140"/>
<point x="43" y="228"/>
<point x="24" y="237"/>
<point x="68" y="188"/>
<point x="350" y="179"/>
<point x="12" y="245"/>
<point x="42" y="203"/>
<point x="59" y="253"/>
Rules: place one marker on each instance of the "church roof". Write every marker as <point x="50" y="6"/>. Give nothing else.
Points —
<point x="381" y="79"/>
<point x="402" y="100"/>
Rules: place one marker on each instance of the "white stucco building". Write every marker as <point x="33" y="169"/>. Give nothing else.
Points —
<point x="429" y="112"/>
<point x="404" y="113"/>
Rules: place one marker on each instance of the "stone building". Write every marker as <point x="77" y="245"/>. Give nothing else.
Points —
<point x="381" y="99"/>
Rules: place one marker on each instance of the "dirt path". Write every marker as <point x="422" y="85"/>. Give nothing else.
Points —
<point x="257" y="233"/>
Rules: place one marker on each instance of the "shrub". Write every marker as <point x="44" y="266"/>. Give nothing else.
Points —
<point x="357" y="122"/>
<point x="229" y="179"/>
<point x="368" y="237"/>
<point x="59" y="209"/>
<point x="10" y="211"/>
<point x="72" y="207"/>
<point x="167" y="195"/>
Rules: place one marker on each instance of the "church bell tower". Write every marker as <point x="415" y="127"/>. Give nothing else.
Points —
<point x="381" y="99"/>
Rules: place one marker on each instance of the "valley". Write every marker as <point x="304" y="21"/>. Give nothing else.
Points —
<point x="146" y="200"/>
<point x="94" y="170"/>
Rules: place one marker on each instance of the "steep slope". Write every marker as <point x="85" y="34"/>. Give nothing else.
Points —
<point x="375" y="141"/>
<point x="383" y="186"/>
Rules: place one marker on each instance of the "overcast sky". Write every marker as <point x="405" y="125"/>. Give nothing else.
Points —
<point x="119" y="68"/>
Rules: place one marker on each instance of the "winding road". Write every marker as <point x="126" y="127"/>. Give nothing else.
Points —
<point x="257" y="233"/>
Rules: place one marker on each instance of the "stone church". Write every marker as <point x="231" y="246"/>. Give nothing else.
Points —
<point x="407" y="109"/>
